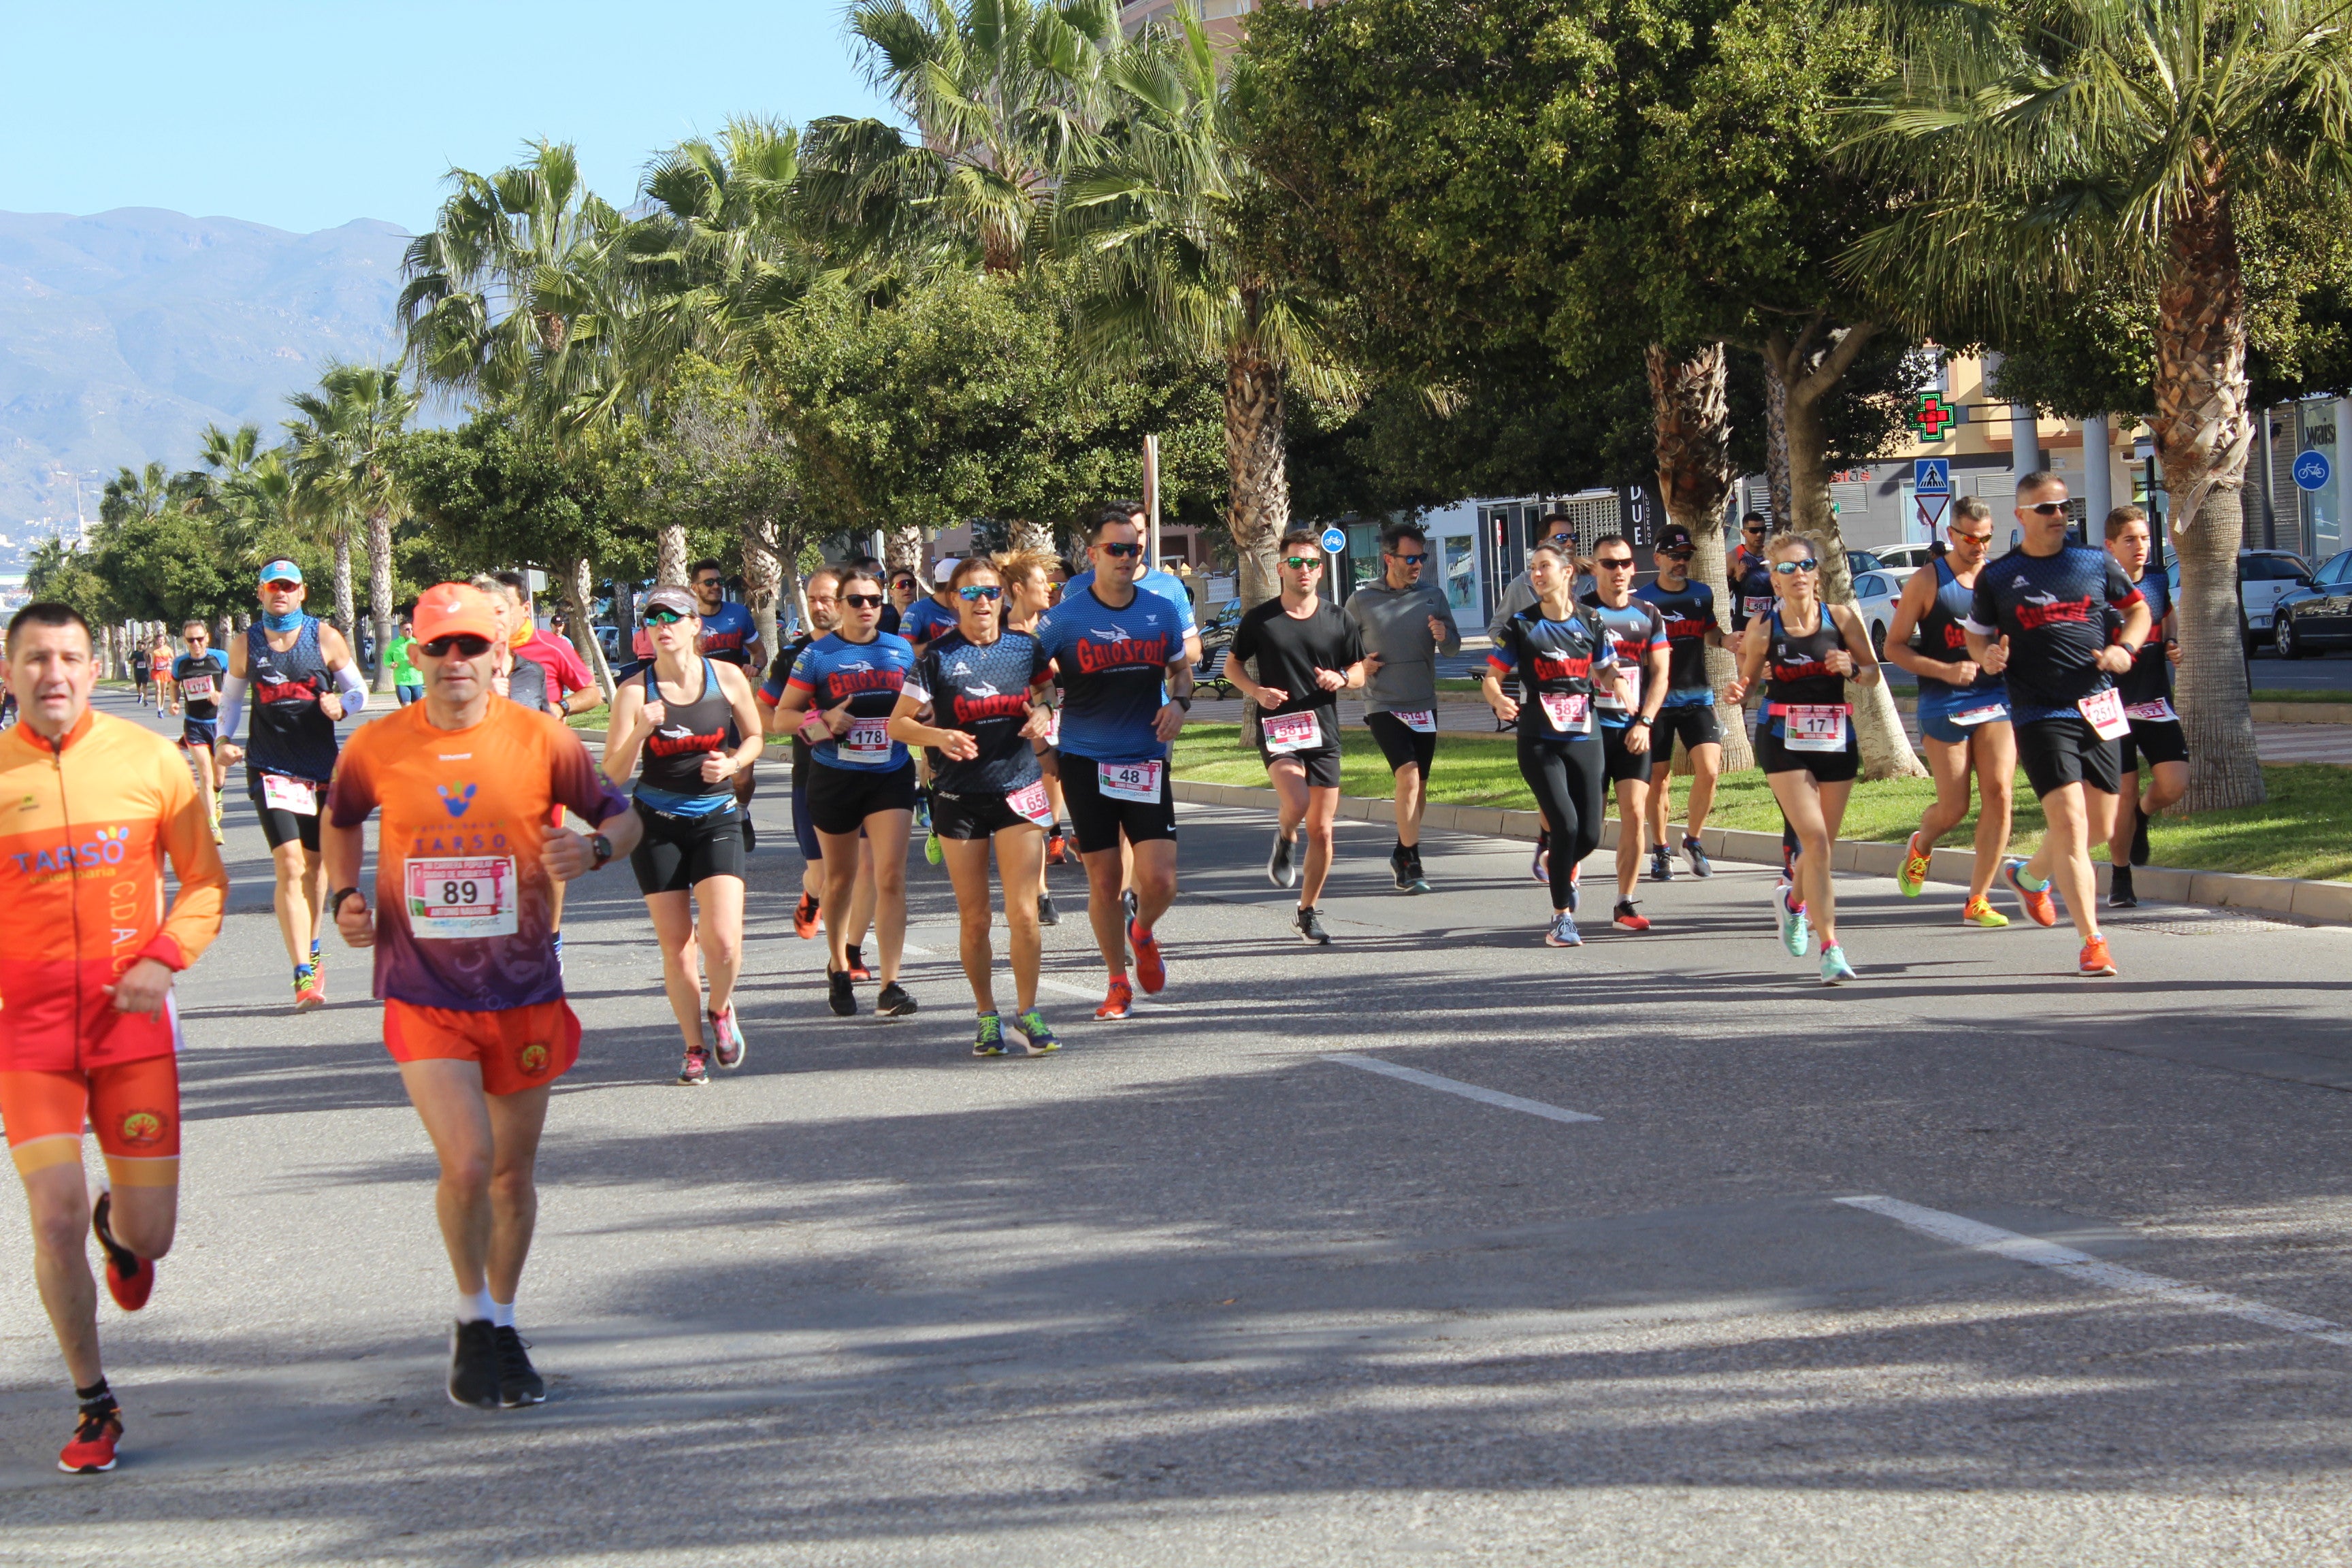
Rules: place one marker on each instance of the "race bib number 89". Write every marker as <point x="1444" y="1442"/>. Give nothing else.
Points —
<point x="453" y="896"/>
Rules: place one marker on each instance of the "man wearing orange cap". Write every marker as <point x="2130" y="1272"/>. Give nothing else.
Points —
<point x="467" y="864"/>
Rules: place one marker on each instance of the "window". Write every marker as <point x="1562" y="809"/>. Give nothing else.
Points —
<point x="2271" y="568"/>
<point x="2338" y="571"/>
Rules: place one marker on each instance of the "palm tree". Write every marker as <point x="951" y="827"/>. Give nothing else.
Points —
<point x="2078" y="140"/>
<point x="1162" y="226"/>
<point x="1691" y="416"/>
<point x="342" y="439"/>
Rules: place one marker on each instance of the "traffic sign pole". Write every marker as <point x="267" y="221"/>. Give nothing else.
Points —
<point x="1334" y="539"/>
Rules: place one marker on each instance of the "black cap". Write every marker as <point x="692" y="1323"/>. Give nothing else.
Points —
<point x="1674" y="536"/>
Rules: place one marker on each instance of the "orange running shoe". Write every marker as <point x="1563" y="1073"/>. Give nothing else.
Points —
<point x="2095" y="959"/>
<point x="2040" y="907"/>
<point x="1116" y="1005"/>
<point x="1149" y="967"/>
<point x="1915" y="866"/>
<point x="130" y="1278"/>
<point x="309" y="988"/>
<point x="805" y="919"/>
<point x="91" y="1452"/>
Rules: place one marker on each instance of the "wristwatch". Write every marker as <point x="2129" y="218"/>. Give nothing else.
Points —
<point x="603" y="848"/>
<point x="1185" y="701"/>
<point x="335" y="904"/>
<point x="1642" y="719"/>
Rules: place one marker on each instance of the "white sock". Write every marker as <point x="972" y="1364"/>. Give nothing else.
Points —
<point x="475" y="1307"/>
<point x="501" y="1312"/>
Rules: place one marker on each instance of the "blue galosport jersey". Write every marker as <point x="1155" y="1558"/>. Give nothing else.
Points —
<point x="2147" y="686"/>
<point x="728" y="632"/>
<point x="1689" y="614"/>
<point x="1111" y="664"/>
<point x="925" y="619"/>
<point x="869" y="676"/>
<point x="1633" y="631"/>
<point x="2051" y="610"/>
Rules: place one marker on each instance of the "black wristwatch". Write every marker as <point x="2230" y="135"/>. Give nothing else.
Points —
<point x="1185" y="701"/>
<point x="335" y="904"/>
<point x="1641" y="719"/>
<point x="603" y="848"/>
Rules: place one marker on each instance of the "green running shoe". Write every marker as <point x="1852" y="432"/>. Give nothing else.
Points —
<point x="1835" y="969"/>
<point x="990" y="1041"/>
<point x="1031" y="1037"/>
<point x="932" y="848"/>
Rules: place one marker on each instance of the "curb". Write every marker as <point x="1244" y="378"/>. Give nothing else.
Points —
<point x="2326" y="902"/>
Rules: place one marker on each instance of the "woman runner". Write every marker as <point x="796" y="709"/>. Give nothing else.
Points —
<point x="839" y="697"/>
<point x="982" y="688"/>
<point x="1028" y="579"/>
<point x="691" y="852"/>
<point x="1559" y="648"/>
<point x="1805" y="733"/>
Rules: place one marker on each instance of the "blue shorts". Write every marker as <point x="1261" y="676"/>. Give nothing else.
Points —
<point x="199" y="732"/>
<point x="1938" y="704"/>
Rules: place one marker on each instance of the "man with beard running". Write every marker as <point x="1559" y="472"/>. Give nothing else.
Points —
<point x="1404" y="623"/>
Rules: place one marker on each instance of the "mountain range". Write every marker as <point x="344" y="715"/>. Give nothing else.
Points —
<point x="124" y="333"/>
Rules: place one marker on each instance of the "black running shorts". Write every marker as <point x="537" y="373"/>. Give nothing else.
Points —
<point x="675" y="853"/>
<point x="1827" y="767"/>
<point x="1619" y="766"/>
<point x="1401" y="743"/>
<point x="1694" y="726"/>
<point x="1321" y="762"/>
<point x="2153" y="740"/>
<point x="1098" y="819"/>
<point x="2065" y="749"/>
<point x="282" y="826"/>
<point x="975" y="815"/>
<point x="841" y="799"/>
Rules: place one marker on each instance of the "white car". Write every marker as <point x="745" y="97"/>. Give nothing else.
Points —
<point x="2264" y="577"/>
<point x="1904" y="559"/>
<point x="1874" y="597"/>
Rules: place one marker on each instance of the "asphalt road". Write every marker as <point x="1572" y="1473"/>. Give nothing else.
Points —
<point x="1211" y="1286"/>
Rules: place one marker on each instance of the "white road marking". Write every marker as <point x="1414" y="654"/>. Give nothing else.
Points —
<point x="2090" y="1270"/>
<point x="1046" y="982"/>
<point x="1454" y="1086"/>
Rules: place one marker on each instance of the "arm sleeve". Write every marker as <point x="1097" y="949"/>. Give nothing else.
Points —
<point x="232" y="709"/>
<point x="352" y="687"/>
<point x="194" y="918"/>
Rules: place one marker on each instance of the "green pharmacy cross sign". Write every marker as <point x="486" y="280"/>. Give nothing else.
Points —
<point x="1934" y="417"/>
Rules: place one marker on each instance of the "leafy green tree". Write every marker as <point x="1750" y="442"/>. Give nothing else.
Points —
<point x="343" y="436"/>
<point x="165" y="566"/>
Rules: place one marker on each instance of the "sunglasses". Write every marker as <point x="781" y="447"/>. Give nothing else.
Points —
<point x="1410" y="560"/>
<point x="464" y="645"/>
<point x="1678" y="555"/>
<point x="1561" y="539"/>
<point x="2045" y="508"/>
<point x="1753" y="532"/>
<point x="715" y="584"/>
<point x="971" y="593"/>
<point x="1791" y="568"/>
<point x="1616" y="563"/>
<point x="1301" y="562"/>
<point x="1121" y="552"/>
<point x="906" y="583"/>
<point x="279" y="585"/>
<point x="862" y="601"/>
<point x="1960" y="534"/>
<point x="663" y="618"/>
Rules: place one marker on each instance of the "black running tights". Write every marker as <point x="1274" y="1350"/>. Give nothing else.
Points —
<point x="1566" y="776"/>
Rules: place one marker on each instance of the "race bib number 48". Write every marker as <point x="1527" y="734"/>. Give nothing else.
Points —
<point x="1130" y="781"/>
<point x="453" y="896"/>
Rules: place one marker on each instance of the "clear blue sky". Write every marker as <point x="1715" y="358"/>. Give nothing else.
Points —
<point x="308" y="115"/>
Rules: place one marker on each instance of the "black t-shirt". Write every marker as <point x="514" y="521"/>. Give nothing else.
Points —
<point x="2051" y="608"/>
<point x="2150" y="679"/>
<point x="1289" y="651"/>
<point x="984" y="692"/>
<point x="778" y="673"/>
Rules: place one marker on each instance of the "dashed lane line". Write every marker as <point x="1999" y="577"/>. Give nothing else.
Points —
<point x="1456" y="1086"/>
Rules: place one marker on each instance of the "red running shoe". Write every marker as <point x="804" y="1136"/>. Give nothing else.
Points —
<point x="130" y="1278"/>
<point x="1056" y="847"/>
<point x="1116" y="1005"/>
<point x="91" y="1452"/>
<point x="1626" y="920"/>
<point x="1149" y="966"/>
<point x="805" y="919"/>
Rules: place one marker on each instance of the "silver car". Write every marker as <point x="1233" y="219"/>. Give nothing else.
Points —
<point x="2264" y="577"/>
<point x="1874" y="597"/>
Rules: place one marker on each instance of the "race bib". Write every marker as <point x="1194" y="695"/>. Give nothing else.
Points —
<point x="1989" y="713"/>
<point x="1756" y="606"/>
<point x="280" y="793"/>
<point x="1570" y="712"/>
<point x="1293" y="733"/>
<point x="868" y="740"/>
<point x="2157" y="712"/>
<point x="1607" y="698"/>
<point x="1421" y="721"/>
<point x="2105" y="712"/>
<point x="197" y="688"/>
<point x="1130" y="781"/>
<point x="1815" y="728"/>
<point x="453" y="896"/>
<point x="1030" y="801"/>
<point x="1054" y="727"/>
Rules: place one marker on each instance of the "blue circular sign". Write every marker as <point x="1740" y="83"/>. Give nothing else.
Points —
<point x="2312" y="469"/>
<point x="1334" y="540"/>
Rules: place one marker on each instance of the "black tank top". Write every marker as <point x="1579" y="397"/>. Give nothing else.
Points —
<point x="1799" y="668"/>
<point x="689" y="732"/>
<point x="290" y="734"/>
<point x="1940" y="633"/>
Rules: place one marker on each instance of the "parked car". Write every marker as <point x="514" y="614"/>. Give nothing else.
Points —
<point x="2264" y="577"/>
<point x="2317" y="613"/>
<point x="1874" y="596"/>
<point x="1857" y="562"/>
<point x="1906" y="558"/>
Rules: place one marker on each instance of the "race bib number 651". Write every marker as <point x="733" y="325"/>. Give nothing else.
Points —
<point x="452" y="896"/>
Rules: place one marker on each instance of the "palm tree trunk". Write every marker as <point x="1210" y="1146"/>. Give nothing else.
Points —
<point x="1037" y="536"/>
<point x="2203" y="432"/>
<point x="763" y="571"/>
<point x="902" y="551"/>
<point x="1257" y="501"/>
<point x="380" y="586"/>
<point x="346" y="617"/>
<point x="1776" y="443"/>
<point x="580" y="597"/>
<point x="669" y="555"/>
<point x="1691" y="407"/>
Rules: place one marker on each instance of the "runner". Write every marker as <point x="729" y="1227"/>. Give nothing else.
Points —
<point x="839" y="697"/>
<point x="89" y="1029"/>
<point x="1125" y="665"/>
<point x="1804" y="735"/>
<point x="923" y="621"/>
<point x="983" y="687"/>
<point x="1688" y="712"/>
<point x="142" y="666"/>
<point x="473" y="994"/>
<point x="730" y="634"/>
<point x="1028" y="579"/>
<point x="685" y="715"/>
<point x="905" y="589"/>
<point x="196" y="678"/>
<point x="561" y="684"/>
<point x="1638" y="631"/>
<point x="1750" y="574"/>
<point x="404" y="678"/>
<point x="2156" y="734"/>
<point x="1963" y="712"/>
<point x="1558" y="648"/>
<point x="822" y="589"/>
<point x="2043" y="600"/>
<point x="1307" y="653"/>
<point x="1559" y="533"/>
<point x="1405" y="624"/>
<point x="289" y="659"/>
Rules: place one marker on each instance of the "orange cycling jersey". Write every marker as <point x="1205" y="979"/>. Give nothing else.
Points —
<point x="85" y="825"/>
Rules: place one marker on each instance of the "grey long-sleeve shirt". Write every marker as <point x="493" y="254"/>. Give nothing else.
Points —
<point x="1394" y="624"/>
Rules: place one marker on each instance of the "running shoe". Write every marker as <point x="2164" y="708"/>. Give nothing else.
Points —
<point x="857" y="968"/>
<point x="1279" y="871"/>
<point x="726" y="1042"/>
<point x="309" y="991"/>
<point x="923" y="809"/>
<point x="519" y="1381"/>
<point x="1661" y="864"/>
<point x="1030" y="1035"/>
<point x="1562" y="932"/>
<point x="130" y="1278"/>
<point x="892" y="1002"/>
<point x="1624" y="919"/>
<point x="1118" y="1002"/>
<point x="2139" y="839"/>
<point x="1309" y="923"/>
<point x="1981" y="913"/>
<point x="2039" y="906"/>
<point x="1149" y="967"/>
<point x="2095" y="959"/>
<point x="931" y="850"/>
<point x="1048" y="915"/>
<point x="2120" y="893"/>
<point x="990" y="1039"/>
<point x="1410" y="878"/>
<point x="1129" y="905"/>
<point x="1796" y="934"/>
<point x="694" y="1067"/>
<point x="1835" y="969"/>
<point x="839" y="995"/>
<point x="1701" y="866"/>
<point x="1058" y="843"/>
<point x="1913" y="877"/>
<point x="91" y="1450"/>
<point x="218" y="836"/>
<point x="805" y="919"/>
<point x="1539" y="868"/>
<point x="474" y="1363"/>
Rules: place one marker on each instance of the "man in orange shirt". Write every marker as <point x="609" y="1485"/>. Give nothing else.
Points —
<point x="467" y="866"/>
<point x="88" y="1031"/>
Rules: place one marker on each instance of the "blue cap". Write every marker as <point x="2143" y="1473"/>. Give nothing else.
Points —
<point x="281" y="571"/>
